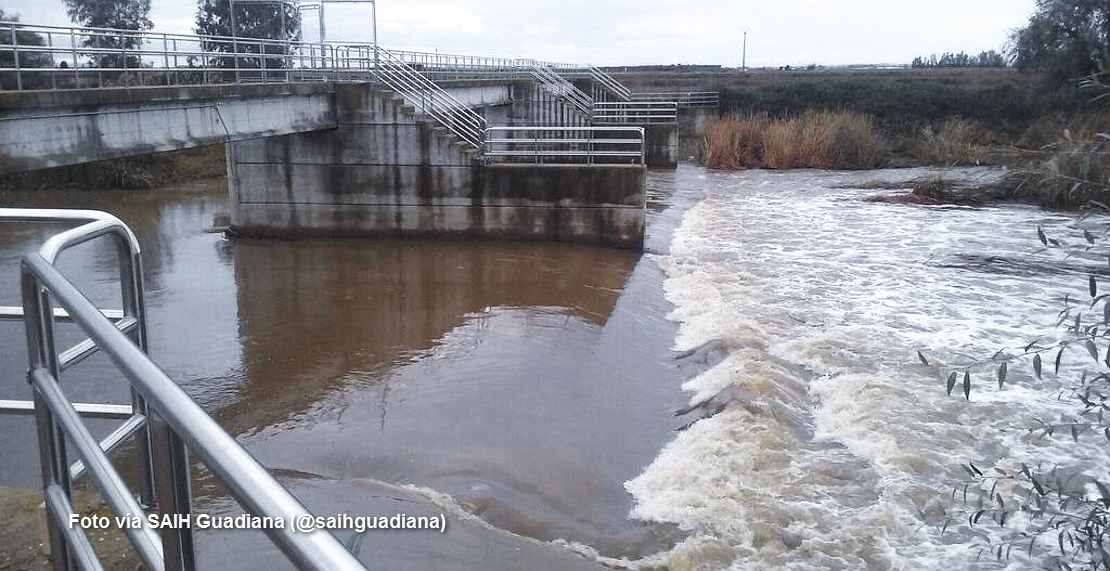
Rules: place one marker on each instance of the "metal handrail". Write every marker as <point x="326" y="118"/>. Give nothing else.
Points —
<point x="418" y="91"/>
<point x="84" y="57"/>
<point x="684" y="99"/>
<point x="635" y="112"/>
<point x="171" y="420"/>
<point x="172" y="59"/>
<point x="557" y="85"/>
<point x="569" y="145"/>
<point x="608" y="83"/>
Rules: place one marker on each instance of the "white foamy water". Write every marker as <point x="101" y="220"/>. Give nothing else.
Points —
<point x="836" y="447"/>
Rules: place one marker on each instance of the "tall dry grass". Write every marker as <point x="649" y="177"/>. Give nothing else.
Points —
<point x="733" y="143"/>
<point x="816" y="139"/>
<point x="958" y="142"/>
<point x="1073" y="172"/>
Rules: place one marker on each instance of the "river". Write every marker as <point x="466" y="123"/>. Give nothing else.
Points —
<point x="746" y="394"/>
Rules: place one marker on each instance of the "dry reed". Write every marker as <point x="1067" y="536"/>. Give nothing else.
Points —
<point x="816" y="139"/>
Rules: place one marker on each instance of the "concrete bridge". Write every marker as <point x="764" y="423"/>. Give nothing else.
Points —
<point x="354" y="139"/>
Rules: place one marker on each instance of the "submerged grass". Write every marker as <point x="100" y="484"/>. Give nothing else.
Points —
<point x="816" y="139"/>
<point x="1073" y="172"/>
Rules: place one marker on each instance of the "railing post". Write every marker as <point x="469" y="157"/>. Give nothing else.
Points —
<point x="41" y="352"/>
<point x="134" y="306"/>
<point x="15" y="51"/>
<point x="589" y="145"/>
<point x="53" y="75"/>
<point x="166" y="56"/>
<point x="171" y="468"/>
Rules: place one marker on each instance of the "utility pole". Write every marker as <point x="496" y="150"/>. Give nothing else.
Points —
<point x="744" y="52"/>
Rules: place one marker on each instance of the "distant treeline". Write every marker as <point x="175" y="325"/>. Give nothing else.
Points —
<point x="986" y="59"/>
<point x="678" y="67"/>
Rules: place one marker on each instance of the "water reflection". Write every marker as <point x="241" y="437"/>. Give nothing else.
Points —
<point x="501" y="374"/>
<point x="312" y="312"/>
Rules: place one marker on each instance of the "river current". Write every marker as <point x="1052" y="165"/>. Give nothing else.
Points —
<point x="835" y="447"/>
<point x="747" y="394"/>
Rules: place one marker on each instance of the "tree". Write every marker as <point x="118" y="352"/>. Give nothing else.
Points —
<point x="131" y="15"/>
<point x="22" y="38"/>
<point x="984" y="59"/>
<point x="253" y="19"/>
<point x="12" y="34"/>
<point x="1065" y="39"/>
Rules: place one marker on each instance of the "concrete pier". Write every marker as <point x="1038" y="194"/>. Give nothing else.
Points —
<point x="386" y="171"/>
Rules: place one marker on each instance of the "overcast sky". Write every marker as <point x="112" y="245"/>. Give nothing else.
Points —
<point x="629" y="32"/>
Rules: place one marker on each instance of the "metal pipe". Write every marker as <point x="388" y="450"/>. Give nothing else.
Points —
<point x="244" y="477"/>
<point x="108" y="481"/>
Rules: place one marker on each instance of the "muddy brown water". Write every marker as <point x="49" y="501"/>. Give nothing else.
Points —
<point x="511" y="387"/>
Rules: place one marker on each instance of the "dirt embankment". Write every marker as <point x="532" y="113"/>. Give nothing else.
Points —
<point x="21" y="546"/>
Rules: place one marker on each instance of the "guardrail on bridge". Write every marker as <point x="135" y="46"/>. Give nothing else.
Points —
<point x="684" y="99"/>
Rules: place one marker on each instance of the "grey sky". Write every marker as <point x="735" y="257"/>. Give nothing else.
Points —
<point x="615" y="32"/>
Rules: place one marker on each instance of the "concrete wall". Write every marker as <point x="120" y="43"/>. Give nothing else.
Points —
<point x="42" y="129"/>
<point x="386" y="172"/>
<point x="661" y="145"/>
<point x="570" y="203"/>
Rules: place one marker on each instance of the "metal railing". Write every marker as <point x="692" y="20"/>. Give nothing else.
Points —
<point x="635" y="112"/>
<point x="417" y="90"/>
<point x="55" y="57"/>
<point x="52" y="57"/>
<point x="558" y="86"/>
<point x="166" y="421"/>
<point x="684" y="99"/>
<point x="448" y="67"/>
<point x="609" y="84"/>
<point x="564" y="145"/>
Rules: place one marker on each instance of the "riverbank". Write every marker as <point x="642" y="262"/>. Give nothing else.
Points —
<point x="1051" y="139"/>
<point x="145" y="172"/>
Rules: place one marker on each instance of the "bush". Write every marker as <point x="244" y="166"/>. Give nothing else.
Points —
<point x="817" y="139"/>
<point x="959" y="142"/>
<point x="733" y="143"/>
<point x="903" y="102"/>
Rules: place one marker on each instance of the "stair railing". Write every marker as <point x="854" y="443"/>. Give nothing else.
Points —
<point x="557" y="85"/>
<point x="417" y="90"/>
<point x="610" y="84"/>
